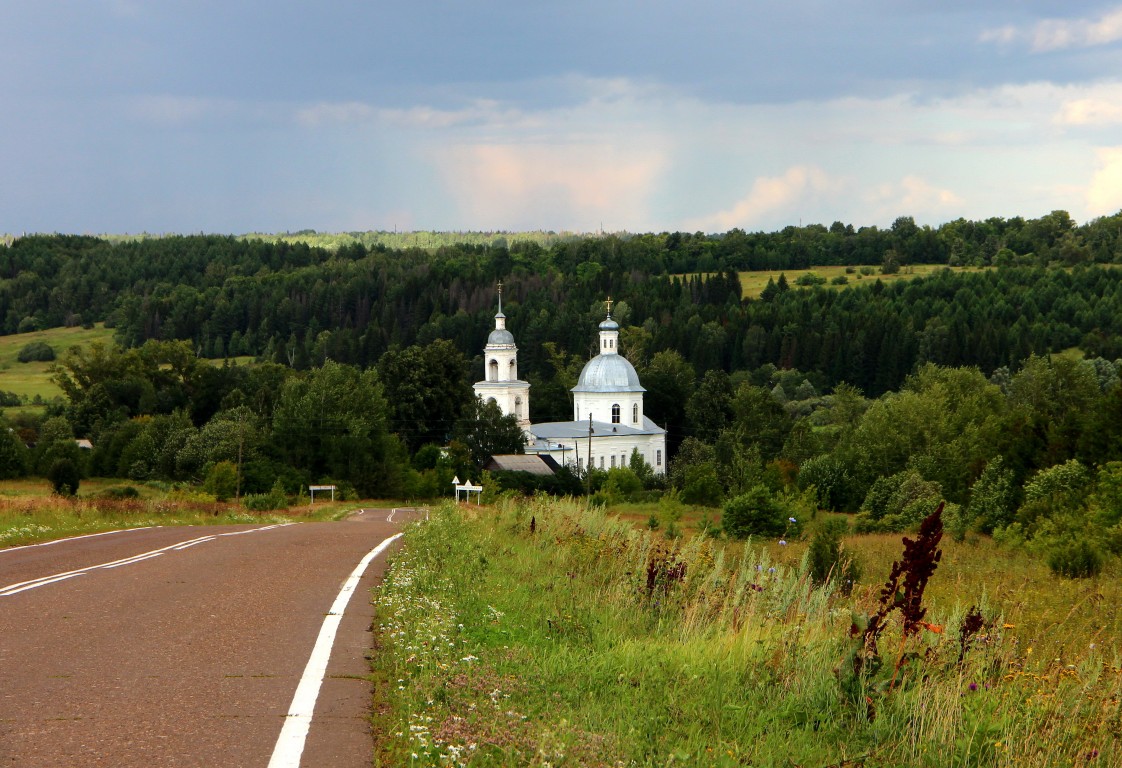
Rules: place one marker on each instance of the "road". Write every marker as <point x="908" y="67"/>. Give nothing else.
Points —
<point x="185" y="646"/>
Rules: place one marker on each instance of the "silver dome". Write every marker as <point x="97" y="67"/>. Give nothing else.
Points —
<point x="609" y="325"/>
<point x="608" y="373"/>
<point x="500" y="336"/>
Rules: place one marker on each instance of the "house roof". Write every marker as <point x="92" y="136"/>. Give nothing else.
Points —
<point x="535" y="465"/>
<point x="567" y="430"/>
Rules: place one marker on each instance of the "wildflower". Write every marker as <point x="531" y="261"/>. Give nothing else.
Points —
<point x="792" y="520"/>
<point x="771" y="570"/>
<point x="973" y="686"/>
<point x="782" y="542"/>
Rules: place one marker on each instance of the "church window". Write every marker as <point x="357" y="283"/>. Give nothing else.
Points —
<point x="635" y="413"/>
<point x="615" y="413"/>
<point x="511" y="374"/>
<point x="493" y="374"/>
<point x="601" y="462"/>
<point x="658" y="458"/>
<point x="613" y="462"/>
<point x="518" y="407"/>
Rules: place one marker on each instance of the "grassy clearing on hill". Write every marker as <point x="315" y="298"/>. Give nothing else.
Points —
<point x="545" y="633"/>
<point x="31" y="379"/>
<point x="753" y="283"/>
<point x="29" y="512"/>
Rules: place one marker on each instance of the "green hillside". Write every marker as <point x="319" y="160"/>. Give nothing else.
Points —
<point x="30" y="379"/>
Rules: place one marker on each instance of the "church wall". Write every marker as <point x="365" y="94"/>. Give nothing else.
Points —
<point x="606" y="448"/>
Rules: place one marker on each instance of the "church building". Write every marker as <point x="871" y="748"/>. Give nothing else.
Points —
<point x="608" y="420"/>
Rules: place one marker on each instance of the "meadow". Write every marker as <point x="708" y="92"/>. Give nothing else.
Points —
<point x="30" y="379"/>
<point x="752" y="284"/>
<point x="541" y="632"/>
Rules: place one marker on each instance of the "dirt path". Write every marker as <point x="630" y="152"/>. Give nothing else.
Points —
<point x="184" y="646"/>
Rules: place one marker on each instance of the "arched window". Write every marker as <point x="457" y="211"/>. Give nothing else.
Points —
<point x="615" y="413"/>
<point x="510" y="373"/>
<point x="635" y="413"/>
<point x="493" y="371"/>
<point x="518" y="407"/>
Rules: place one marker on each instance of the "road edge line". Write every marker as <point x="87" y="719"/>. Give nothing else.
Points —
<point x="290" y="744"/>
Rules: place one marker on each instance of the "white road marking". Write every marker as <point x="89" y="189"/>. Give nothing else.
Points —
<point x="392" y="513"/>
<point x="75" y="538"/>
<point x="290" y="743"/>
<point x="43" y="581"/>
<point x="38" y="583"/>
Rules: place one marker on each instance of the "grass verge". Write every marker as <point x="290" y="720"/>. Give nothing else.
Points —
<point x="544" y="633"/>
<point x="29" y="513"/>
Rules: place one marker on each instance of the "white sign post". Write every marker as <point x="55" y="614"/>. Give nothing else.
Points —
<point x="313" y="488"/>
<point x="467" y="489"/>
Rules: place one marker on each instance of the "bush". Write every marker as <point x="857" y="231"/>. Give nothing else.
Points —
<point x="36" y="351"/>
<point x="222" y="480"/>
<point x="828" y="559"/>
<point x="120" y="493"/>
<point x="64" y="477"/>
<point x="266" y="502"/>
<point x="1075" y="559"/>
<point x="701" y="486"/>
<point x="839" y="280"/>
<point x="810" y="278"/>
<point x="755" y="513"/>
<point x="830" y="479"/>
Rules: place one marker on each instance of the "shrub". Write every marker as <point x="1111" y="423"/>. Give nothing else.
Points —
<point x="828" y="559"/>
<point x="36" y="351"/>
<point x="266" y="502"/>
<point x="755" y="513"/>
<point x="991" y="498"/>
<point x="810" y="278"/>
<point x="830" y="479"/>
<point x="839" y="280"/>
<point x="1075" y="559"/>
<point x="64" y="477"/>
<point x="701" y="486"/>
<point x="222" y="480"/>
<point x="120" y="492"/>
<point x="898" y="502"/>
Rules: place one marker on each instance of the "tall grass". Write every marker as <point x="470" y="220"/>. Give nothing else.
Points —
<point x="544" y="633"/>
<point x="29" y="518"/>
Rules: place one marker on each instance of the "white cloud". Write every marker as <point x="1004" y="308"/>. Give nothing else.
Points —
<point x="771" y="195"/>
<point x="908" y="195"/>
<point x="1104" y="194"/>
<point x="575" y="186"/>
<point x="1098" y="106"/>
<point x="1059" y="34"/>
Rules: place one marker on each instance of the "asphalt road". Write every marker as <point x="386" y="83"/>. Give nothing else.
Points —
<point x="184" y="646"/>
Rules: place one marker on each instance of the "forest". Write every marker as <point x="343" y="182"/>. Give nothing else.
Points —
<point x="994" y="391"/>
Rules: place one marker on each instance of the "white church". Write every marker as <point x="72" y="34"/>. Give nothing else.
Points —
<point x="608" y="420"/>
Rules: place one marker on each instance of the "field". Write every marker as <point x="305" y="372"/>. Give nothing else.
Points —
<point x="753" y="283"/>
<point x="30" y="379"/>
<point x="542" y="632"/>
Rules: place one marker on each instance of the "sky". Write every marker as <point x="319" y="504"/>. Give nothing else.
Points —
<point x="235" y="116"/>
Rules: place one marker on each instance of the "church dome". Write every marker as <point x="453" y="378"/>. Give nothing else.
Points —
<point x="608" y="373"/>
<point x="609" y="325"/>
<point x="500" y="336"/>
